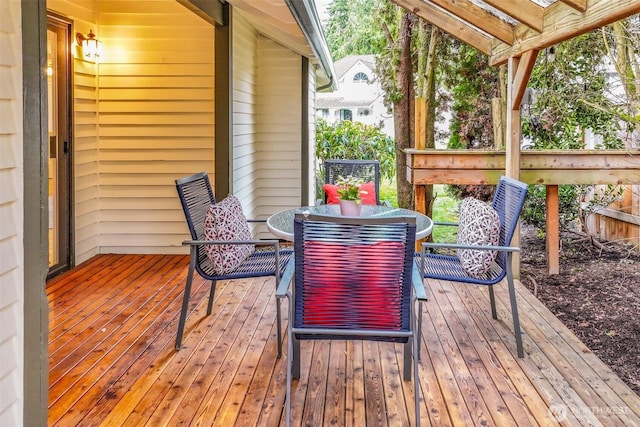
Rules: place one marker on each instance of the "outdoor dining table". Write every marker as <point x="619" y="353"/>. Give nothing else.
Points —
<point x="281" y="223"/>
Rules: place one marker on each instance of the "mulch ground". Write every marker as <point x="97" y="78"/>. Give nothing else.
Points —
<point x="596" y="295"/>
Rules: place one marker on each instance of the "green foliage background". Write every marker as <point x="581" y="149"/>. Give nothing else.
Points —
<point x="356" y="141"/>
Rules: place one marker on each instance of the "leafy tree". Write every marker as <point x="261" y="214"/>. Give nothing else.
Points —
<point x="570" y="85"/>
<point x="382" y="28"/>
<point x="352" y="28"/>
<point x="472" y="84"/>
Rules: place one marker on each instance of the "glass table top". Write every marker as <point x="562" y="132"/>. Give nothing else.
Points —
<point x="281" y="223"/>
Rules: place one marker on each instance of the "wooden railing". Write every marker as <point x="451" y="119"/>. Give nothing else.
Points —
<point x="545" y="167"/>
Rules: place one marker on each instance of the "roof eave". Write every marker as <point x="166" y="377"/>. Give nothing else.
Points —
<point x="305" y="13"/>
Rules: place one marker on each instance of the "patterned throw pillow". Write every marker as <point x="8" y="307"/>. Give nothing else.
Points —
<point x="225" y="221"/>
<point x="479" y="224"/>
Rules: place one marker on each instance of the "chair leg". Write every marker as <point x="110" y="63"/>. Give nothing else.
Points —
<point x="514" y="309"/>
<point x="279" y="327"/>
<point x="408" y="355"/>
<point x="295" y="359"/>
<point x="492" y="300"/>
<point x="289" y="376"/>
<point x="416" y="378"/>
<point x="212" y="293"/>
<point x="419" y="329"/>
<point x="185" y="298"/>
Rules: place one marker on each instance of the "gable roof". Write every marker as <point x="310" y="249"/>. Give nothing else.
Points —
<point x="508" y="28"/>
<point x="343" y="65"/>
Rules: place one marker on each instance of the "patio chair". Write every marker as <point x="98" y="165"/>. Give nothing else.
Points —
<point x="352" y="278"/>
<point x="483" y="251"/>
<point x="367" y="170"/>
<point x="197" y="199"/>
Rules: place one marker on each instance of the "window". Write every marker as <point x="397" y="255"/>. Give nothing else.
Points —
<point x="346" y="115"/>
<point x="360" y="78"/>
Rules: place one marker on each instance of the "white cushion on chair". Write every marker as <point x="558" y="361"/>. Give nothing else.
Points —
<point x="226" y="221"/>
<point x="479" y="224"/>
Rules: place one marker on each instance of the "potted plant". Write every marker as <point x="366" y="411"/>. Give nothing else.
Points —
<point x="349" y="192"/>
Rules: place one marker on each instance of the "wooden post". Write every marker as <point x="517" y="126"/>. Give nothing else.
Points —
<point x="496" y="112"/>
<point x="553" y="230"/>
<point x="419" y="193"/>
<point x="512" y="166"/>
<point x="518" y="73"/>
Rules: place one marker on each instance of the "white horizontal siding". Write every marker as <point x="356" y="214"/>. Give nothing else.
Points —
<point x="155" y="121"/>
<point x="244" y="99"/>
<point x="312" y="160"/>
<point x="11" y="217"/>
<point x="279" y="126"/>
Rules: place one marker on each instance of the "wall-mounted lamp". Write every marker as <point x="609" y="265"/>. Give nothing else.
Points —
<point x="91" y="47"/>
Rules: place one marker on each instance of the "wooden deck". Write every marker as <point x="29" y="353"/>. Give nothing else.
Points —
<point x="112" y="361"/>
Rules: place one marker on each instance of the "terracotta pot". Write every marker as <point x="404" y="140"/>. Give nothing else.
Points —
<point x="350" y="207"/>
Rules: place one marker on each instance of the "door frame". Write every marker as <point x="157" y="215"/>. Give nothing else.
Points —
<point x="66" y="246"/>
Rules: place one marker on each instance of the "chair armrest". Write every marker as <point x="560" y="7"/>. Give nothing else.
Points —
<point x="319" y="202"/>
<point x="385" y="203"/>
<point x="275" y="243"/>
<point x="474" y="247"/>
<point x="418" y="284"/>
<point x="286" y="279"/>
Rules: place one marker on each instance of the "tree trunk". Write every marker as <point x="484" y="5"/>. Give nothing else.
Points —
<point x="403" y="113"/>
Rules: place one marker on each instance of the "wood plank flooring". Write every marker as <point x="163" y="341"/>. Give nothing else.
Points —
<point x="112" y="362"/>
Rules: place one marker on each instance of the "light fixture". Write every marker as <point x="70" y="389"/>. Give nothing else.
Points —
<point x="91" y="47"/>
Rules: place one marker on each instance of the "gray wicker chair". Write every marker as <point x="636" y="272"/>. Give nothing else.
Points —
<point x="367" y="170"/>
<point x="353" y="278"/>
<point x="196" y="196"/>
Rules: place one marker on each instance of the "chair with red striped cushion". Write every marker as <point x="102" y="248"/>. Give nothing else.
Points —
<point x="353" y="278"/>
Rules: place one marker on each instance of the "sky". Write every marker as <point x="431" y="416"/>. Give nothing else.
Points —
<point x="322" y="7"/>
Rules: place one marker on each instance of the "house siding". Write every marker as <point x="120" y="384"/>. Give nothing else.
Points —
<point x="155" y="120"/>
<point x="142" y="117"/>
<point x="311" y="153"/>
<point x="266" y="146"/>
<point x="279" y="119"/>
<point x="86" y="184"/>
<point x="244" y="112"/>
<point x="11" y="217"/>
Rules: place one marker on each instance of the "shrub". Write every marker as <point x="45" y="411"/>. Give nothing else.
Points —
<point x="353" y="141"/>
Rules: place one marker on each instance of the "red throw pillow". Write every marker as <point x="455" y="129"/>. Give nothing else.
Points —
<point x="332" y="194"/>
<point x="367" y="193"/>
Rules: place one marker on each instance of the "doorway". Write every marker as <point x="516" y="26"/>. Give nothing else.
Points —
<point x="60" y="158"/>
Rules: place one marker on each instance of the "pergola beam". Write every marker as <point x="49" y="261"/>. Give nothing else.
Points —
<point x="562" y="22"/>
<point x="522" y="75"/>
<point x="449" y="23"/>
<point x="524" y="11"/>
<point x="580" y="5"/>
<point x="478" y="17"/>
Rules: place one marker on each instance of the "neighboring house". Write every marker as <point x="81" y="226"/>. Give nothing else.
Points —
<point x="181" y="86"/>
<point x="359" y="96"/>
